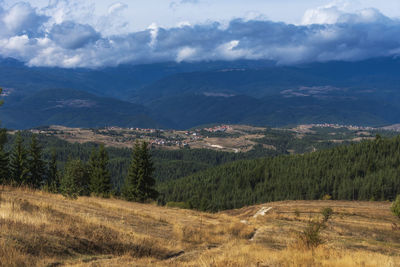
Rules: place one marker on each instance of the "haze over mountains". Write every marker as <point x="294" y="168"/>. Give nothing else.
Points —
<point x="184" y="95"/>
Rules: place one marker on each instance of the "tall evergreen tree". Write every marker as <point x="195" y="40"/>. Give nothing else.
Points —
<point x="139" y="183"/>
<point x="19" y="169"/>
<point x="100" y="178"/>
<point x="36" y="163"/>
<point x="53" y="177"/>
<point x="4" y="172"/>
<point x="146" y="181"/>
<point x="74" y="181"/>
<point x="129" y="190"/>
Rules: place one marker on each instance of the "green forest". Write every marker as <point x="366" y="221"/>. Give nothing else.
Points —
<point x="168" y="164"/>
<point x="211" y="180"/>
<point x="369" y="170"/>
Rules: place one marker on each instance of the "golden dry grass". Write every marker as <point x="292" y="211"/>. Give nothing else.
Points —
<point x="41" y="229"/>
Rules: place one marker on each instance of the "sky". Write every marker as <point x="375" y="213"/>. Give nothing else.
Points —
<point x="99" y="33"/>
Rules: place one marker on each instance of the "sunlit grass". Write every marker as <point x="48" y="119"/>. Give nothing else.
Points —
<point x="39" y="229"/>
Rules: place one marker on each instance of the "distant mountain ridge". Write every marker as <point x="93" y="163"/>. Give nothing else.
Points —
<point x="184" y="95"/>
<point x="74" y="108"/>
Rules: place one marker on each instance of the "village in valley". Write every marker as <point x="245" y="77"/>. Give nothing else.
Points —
<point x="223" y="137"/>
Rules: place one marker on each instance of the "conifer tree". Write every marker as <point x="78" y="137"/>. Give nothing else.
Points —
<point x="146" y="182"/>
<point x="129" y="190"/>
<point x="53" y="177"/>
<point x="4" y="173"/>
<point x="74" y="181"/>
<point x="18" y="162"/>
<point x="36" y="164"/>
<point x="100" y="178"/>
<point x="139" y="183"/>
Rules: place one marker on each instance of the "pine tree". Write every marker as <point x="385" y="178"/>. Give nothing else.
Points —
<point x="4" y="170"/>
<point x="36" y="164"/>
<point x="53" y="177"/>
<point x="130" y="183"/>
<point x="139" y="183"/>
<point x="73" y="182"/>
<point x="146" y="182"/>
<point x="18" y="162"/>
<point x="100" y="178"/>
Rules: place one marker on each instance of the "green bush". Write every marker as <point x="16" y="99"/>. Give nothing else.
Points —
<point x="310" y="236"/>
<point x="395" y="208"/>
<point x="297" y="213"/>
<point x="327" y="213"/>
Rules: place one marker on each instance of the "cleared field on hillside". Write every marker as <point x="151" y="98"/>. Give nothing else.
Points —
<point x="236" y="138"/>
<point x="40" y="229"/>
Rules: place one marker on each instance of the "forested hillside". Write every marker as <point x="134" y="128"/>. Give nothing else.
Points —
<point x="169" y="165"/>
<point x="366" y="171"/>
<point x="212" y="180"/>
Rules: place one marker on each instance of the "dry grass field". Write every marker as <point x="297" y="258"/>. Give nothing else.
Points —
<point x="41" y="229"/>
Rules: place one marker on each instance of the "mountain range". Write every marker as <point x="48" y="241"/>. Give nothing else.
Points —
<point x="184" y="95"/>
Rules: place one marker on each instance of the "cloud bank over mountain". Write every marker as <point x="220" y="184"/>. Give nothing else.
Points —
<point x="50" y="37"/>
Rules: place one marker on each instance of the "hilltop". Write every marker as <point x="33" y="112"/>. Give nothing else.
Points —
<point x="38" y="228"/>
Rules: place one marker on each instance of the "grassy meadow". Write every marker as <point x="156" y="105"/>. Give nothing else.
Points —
<point x="42" y="229"/>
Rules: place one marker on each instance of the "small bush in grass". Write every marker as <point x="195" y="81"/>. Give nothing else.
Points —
<point x="395" y="208"/>
<point x="311" y="235"/>
<point x="297" y="213"/>
<point x="327" y="197"/>
<point x="327" y="213"/>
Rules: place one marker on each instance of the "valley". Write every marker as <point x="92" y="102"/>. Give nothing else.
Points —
<point x="227" y="138"/>
<point x="199" y="133"/>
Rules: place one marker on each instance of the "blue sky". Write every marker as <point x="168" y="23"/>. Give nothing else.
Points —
<point x="97" y="33"/>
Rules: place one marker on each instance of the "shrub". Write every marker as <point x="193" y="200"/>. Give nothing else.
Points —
<point x="395" y="208"/>
<point x="310" y="237"/>
<point x="297" y="213"/>
<point x="327" y="213"/>
<point x="327" y="197"/>
<point x="75" y="180"/>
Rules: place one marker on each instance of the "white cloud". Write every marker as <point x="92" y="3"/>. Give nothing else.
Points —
<point x="21" y="18"/>
<point x="186" y="53"/>
<point x="153" y="29"/>
<point x="117" y="7"/>
<point x="322" y="15"/>
<point x="328" y="33"/>
<point x="70" y="35"/>
<point x="177" y="3"/>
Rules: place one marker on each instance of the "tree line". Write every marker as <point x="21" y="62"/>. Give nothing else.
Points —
<point x="25" y="166"/>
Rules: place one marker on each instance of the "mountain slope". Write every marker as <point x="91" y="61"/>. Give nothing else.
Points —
<point x="119" y="82"/>
<point x="362" y="93"/>
<point x="73" y="108"/>
<point x="184" y="95"/>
